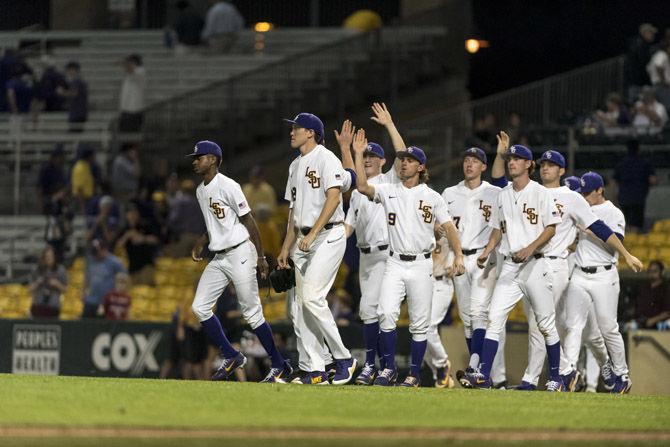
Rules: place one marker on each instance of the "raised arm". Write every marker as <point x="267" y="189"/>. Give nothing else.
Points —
<point x="383" y="117"/>
<point x="498" y="168"/>
<point x="344" y="138"/>
<point x="359" y="145"/>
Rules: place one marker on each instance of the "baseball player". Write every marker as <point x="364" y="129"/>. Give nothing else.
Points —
<point x="443" y="292"/>
<point x="574" y="211"/>
<point x="595" y="279"/>
<point x="523" y="219"/>
<point x="235" y="242"/>
<point x="315" y="240"/>
<point x="470" y="204"/>
<point x="411" y="209"/>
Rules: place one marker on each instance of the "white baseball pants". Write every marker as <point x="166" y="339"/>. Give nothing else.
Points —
<point x="370" y="276"/>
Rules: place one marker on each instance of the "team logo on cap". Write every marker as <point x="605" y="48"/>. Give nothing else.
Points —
<point x="512" y="150"/>
<point x="547" y="154"/>
<point x="582" y="182"/>
<point x="410" y="150"/>
<point x="566" y="183"/>
<point x="472" y="150"/>
<point x="369" y="147"/>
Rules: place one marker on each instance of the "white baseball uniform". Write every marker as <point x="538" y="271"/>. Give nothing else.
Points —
<point x="411" y="214"/>
<point x="310" y="176"/>
<point x="222" y="203"/>
<point x="369" y="221"/>
<point x="521" y="216"/>
<point x="443" y="292"/>
<point x="596" y="280"/>
<point x="471" y="211"/>
<point x="574" y="210"/>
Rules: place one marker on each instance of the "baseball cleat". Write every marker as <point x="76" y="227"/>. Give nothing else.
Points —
<point x="386" y="377"/>
<point x="228" y="366"/>
<point x="570" y="381"/>
<point x="460" y="376"/>
<point x="478" y="380"/>
<point x="500" y="385"/>
<point x="312" y="378"/>
<point x="331" y="369"/>
<point x="444" y="379"/>
<point x="344" y="371"/>
<point x="622" y="385"/>
<point x="367" y="375"/>
<point x="525" y="386"/>
<point x="411" y="382"/>
<point x="609" y="378"/>
<point x="555" y="385"/>
<point x="279" y="375"/>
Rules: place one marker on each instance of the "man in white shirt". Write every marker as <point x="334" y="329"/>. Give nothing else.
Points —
<point x="412" y="209"/>
<point x="659" y="73"/>
<point x="315" y="241"/>
<point x="235" y="242"/>
<point x="650" y="115"/>
<point x="131" y="101"/>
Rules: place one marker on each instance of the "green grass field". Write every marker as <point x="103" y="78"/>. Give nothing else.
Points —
<point x="73" y="411"/>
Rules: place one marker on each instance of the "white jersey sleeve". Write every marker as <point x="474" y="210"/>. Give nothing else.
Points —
<point x="290" y="193"/>
<point x="549" y="210"/>
<point x="332" y="172"/>
<point x="237" y="200"/>
<point x="581" y="212"/>
<point x="381" y="192"/>
<point x="352" y="212"/>
<point x="442" y="214"/>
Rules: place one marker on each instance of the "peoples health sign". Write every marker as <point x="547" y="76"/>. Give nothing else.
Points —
<point x="36" y="349"/>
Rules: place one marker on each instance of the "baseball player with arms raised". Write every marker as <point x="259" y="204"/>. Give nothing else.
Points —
<point x="235" y="242"/>
<point x="595" y="279"/>
<point x="315" y="240"/>
<point x="523" y="219"/>
<point x="470" y="204"/>
<point x="411" y="210"/>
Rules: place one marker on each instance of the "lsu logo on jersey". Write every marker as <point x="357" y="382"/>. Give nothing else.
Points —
<point x="560" y="208"/>
<point x="531" y="215"/>
<point x="312" y="179"/>
<point x="486" y="210"/>
<point x="217" y="208"/>
<point x="427" y="212"/>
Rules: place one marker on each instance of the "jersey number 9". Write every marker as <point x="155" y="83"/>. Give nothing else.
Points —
<point x="391" y="218"/>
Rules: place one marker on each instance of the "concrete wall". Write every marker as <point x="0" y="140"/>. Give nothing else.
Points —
<point x="648" y="366"/>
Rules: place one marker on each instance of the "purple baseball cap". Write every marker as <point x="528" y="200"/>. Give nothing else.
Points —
<point x="476" y="152"/>
<point x="206" y="147"/>
<point x="311" y="122"/>
<point x="375" y="149"/>
<point x="572" y="182"/>
<point x="519" y="151"/>
<point x="554" y="157"/>
<point x="590" y="182"/>
<point x="413" y="152"/>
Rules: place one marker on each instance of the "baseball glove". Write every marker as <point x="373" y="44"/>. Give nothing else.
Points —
<point x="283" y="279"/>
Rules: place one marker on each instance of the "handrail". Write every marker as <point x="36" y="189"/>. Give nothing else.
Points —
<point x="638" y="339"/>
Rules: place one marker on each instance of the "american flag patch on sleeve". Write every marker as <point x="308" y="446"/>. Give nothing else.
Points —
<point x="338" y="177"/>
<point x="242" y="205"/>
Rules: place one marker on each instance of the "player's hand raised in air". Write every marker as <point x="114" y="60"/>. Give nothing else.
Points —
<point x="382" y="114"/>
<point x="503" y="142"/>
<point x="346" y="135"/>
<point x="634" y="263"/>
<point x="360" y="143"/>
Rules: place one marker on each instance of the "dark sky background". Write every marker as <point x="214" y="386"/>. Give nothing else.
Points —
<point x="534" y="39"/>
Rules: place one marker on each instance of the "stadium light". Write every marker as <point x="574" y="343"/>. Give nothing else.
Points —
<point x="263" y="27"/>
<point x="473" y="45"/>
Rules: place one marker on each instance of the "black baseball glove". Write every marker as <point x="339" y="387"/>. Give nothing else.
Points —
<point x="283" y="279"/>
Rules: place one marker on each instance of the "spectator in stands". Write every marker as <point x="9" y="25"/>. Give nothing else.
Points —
<point x="637" y="58"/>
<point x="187" y="26"/>
<point x="7" y="62"/>
<point x="633" y="176"/>
<point x="615" y="114"/>
<point x="102" y="217"/>
<point x="116" y="303"/>
<point x="47" y="283"/>
<point x="101" y="269"/>
<point x="158" y="180"/>
<point x="141" y="241"/>
<point x="161" y="212"/>
<point x="59" y="221"/>
<point x="76" y="92"/>
<point x="83" y="177"/>
<point x="652" y="302"/>
<point x="46" y="89"/>
<point x="126" y="173"/>
<point x="515" y="127"/>
<point x="650" y="116"/>
<point x="52" y="175"/>
<point x="131" y="104"/>
<point x="19" y="91"/>
<point x="222" y="24"/>
<point x="259" y="193"/>
<point x="185" y="221"/>
<point x="659" y="73"/>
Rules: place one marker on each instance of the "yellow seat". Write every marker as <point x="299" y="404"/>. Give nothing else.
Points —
<point x="656" y="239"/>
